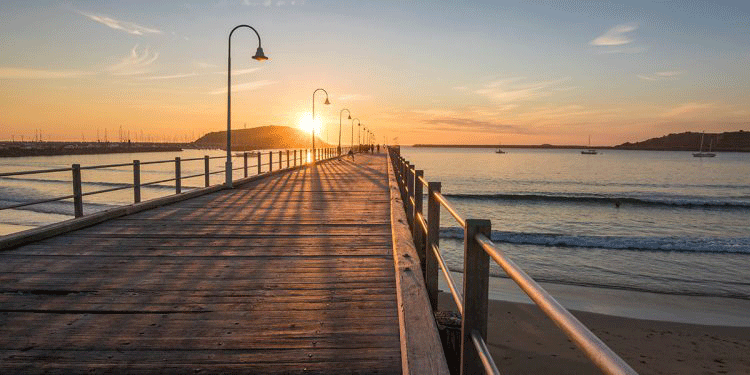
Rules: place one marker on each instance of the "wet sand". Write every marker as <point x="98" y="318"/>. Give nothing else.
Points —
<point x="524" y="341"/>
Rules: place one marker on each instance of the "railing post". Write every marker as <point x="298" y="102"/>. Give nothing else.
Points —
<point x="245" y="156"/>
<point x="417" y="233"/>
<point x="259" y="157"/>
<point x="136" y="181"/>
<point x="177" y="176"/>
<point x="433" y="240"/>
<point x="270" y="161"/>
<point x="287" y="159"/>
<point x="476" y="284"/>
<point x="295" y="158"/>
<point x="206" y="169"/>
<point x="281" y="157"/>
<point x="77" y="192"/>
<point x="410" y="195"/>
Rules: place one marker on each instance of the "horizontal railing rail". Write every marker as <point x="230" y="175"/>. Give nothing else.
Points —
<point x="266" y="162"/>
<point x="478" y="250"/>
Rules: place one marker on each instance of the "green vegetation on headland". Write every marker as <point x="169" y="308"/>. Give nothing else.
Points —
<point x="262" y="137"/>
<point x="18" y="149"/>
<point x="738" y="141"/>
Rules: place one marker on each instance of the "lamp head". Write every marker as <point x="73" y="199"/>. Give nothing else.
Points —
<point x="350" y="117"/>
<point x="327" y="102"/>
<point x="259" y="55"/>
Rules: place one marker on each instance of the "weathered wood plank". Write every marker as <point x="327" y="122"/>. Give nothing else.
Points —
<point x="287" y="274"/>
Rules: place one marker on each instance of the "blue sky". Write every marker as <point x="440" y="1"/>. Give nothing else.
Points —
<point x="422" y="71"/>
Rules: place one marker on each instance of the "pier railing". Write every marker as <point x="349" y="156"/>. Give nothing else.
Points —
<point x="284" y="159"/>
<point x="472" y="304"/>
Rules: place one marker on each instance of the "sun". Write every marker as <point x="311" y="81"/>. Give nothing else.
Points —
<point x="306" y="124"/>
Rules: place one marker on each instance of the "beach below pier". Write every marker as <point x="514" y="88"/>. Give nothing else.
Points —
<point x="704" y="336"/>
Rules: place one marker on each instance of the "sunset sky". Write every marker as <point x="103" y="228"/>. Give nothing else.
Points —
<point x="511" y="72"/>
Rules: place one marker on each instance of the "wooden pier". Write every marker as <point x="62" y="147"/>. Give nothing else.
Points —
<point x="291" y="273"/>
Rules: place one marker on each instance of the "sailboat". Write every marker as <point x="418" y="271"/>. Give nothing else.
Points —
<point x="700" y="153"/>
<point x="589" y="151"/>
<point x="499" y="150"/>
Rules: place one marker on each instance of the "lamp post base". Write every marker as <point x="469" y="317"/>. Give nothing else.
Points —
<point x="228" y="167"/>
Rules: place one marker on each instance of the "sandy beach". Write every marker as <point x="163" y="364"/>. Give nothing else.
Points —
<point x="524" y="341"/>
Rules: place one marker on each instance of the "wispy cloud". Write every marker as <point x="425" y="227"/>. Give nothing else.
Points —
<point x="688" y="109"/>
<point x="166" y="77"/>
<point x="471" y="125"/>
<point x="128" y="27"/>
<point x="514" y="89"/>
<point x="243" y="87"/>
<point x="24" y="73"/>
<point x="135" y="63"/>
<point x="196" y="74"/>
<point x="615" y="36"/>
<point x="661" y="76"/>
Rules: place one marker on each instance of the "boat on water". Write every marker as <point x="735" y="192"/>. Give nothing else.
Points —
<point x="700" y="153"/>
<point x="589" y="151"/>
<point x="249" y="153"/>
<point x="499" y="151"/>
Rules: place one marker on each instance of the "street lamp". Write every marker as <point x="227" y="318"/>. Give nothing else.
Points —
<point x="350" y="117"/>
<point x="313" y="119"/>
<point x="352" y="143"/>
<point x="362" y="142"/>
<point x="358" y="126"/>
<point x="260" y="56"/>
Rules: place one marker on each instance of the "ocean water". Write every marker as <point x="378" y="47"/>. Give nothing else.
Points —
<point x="28" y="188"/>
<point x="682" y="226"/>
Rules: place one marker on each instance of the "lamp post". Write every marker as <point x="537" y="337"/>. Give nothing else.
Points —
<point x="350" y="117"/>
<point x="313" y="119"/>
<point x="358" y="124"/>
<point x="362" y="142"/>
<point x="353" y="131"/>
<point x="260" y="56"/>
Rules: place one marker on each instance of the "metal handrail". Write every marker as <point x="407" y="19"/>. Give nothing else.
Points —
<point x="484" y="353"/>
<point x="297" y="160"/>
<point x="595" y="349"/>
<point x="457" y="297"/>
<point x="38" y="171"/>
<point x="444" y="202"/>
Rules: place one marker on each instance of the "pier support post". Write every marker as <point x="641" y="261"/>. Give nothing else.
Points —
<point x="177" y="176"/>
<point x="206" y="171"/>
<point x="259" y="166"/>
<point x="77" y="192"/>
<point x="136" y="181"/>
<point x="433" y="241"/>
<point x="417" y="233"/>
<point x="245" y="157"/>
<point x="476" y="285"/>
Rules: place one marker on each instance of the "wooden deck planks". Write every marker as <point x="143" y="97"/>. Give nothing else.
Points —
<point x="289" y="274"/>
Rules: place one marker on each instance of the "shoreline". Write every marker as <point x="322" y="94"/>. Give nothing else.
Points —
<point x="523" y="340"/>
<point x="710" y="311"/>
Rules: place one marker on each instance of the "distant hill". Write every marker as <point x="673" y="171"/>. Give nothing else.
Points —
<point x="690" y="141"/>
<point x="262" y="137"/>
